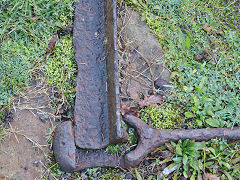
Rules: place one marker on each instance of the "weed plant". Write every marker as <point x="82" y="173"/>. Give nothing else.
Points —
<point x="209" y="87"/>
<point x="200" y="157"/>
<point x="26" y="27"/>
<point x="25" y="30"/>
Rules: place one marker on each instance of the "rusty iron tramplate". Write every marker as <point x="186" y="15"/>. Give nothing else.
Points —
<point x="71" y="159"/>
<point x="97" y="117"/>
<point x="97" y="110"/>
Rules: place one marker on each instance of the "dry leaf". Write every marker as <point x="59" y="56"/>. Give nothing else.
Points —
<point x="198" y="57"/>
<point x="65" y="31"/>
<point x="51" y="44"/>
<point x="134" y="92"/>
<point x="128" y="110"/>
<point x="209" y="176"/>
<point x="151" y="100"/>
<point x="207" y="28"/>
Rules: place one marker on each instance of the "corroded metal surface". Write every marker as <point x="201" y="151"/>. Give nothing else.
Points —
<point x="97" y="110"/>
<point x="91" y="108"/>
<point x="71" y="159"/>
<point x="97" y="122"/>
<point x="115" y="131"/>
<point x="97" y="115"/>
<point x="64" y="147"/>
<point x="97" y="159"/>
<point x="150" y="138"/>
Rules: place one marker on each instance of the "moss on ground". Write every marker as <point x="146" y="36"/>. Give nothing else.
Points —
<point x="61" y="67"/>
<point x="200" y="40"/>
<point x="186" y="29"/>
<point x="165" y="116"/>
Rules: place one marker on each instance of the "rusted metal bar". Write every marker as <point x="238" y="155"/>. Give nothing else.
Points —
<point x="72" y="159"/>
<point x="97" y="117"/>
<point x="150" y="138"/>
<point x="97" y="110"/>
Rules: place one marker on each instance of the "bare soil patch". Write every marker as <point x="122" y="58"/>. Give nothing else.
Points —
<point x="23" y="150"/>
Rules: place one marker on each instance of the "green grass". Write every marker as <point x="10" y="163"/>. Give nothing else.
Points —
<point x="206" y="92"/>
<point x="26" y="26"/>
<point x="208" y="88"/>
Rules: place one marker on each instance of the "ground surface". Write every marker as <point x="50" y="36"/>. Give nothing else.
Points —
<point x="22" y="151"/>
<point x="196" y="45"/>
<point x="140" y="57"/>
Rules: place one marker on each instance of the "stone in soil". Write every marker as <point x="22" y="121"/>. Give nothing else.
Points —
<point x="43" y="118"/>
<point x="145" y="63"/>
<point x="160" y="84"/>
<point x="146" y="162"/>
<point x="128" y="176"/>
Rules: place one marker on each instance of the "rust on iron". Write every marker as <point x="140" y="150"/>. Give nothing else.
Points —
<point x="64" y="147"/>
<point x="97" y="111"/>
<point x="149" y="138"/>
<point x="97" y="117"/>
<point x="72" y="159"/>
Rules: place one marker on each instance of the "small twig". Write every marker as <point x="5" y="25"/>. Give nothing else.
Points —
<point x="149" y="66"/>
<point x="125" y="25"/>
<point x="164" y="68"/>
<point x="31" y="108"/>
<point x="139" y="73"/>
<point x="129" y="75"/>
<point x="48" y="169"/>
<point x="14" y="132"/>
<point x="131" y="147"/>
<point x="37" y="109"/>
<point x="36" y="144"/>
<point x="33" y="113"/>
<point x="142" y="73"/>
